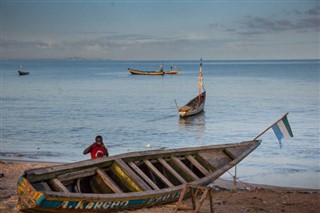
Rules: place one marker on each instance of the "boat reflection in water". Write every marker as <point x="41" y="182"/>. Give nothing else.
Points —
<point x="195" y="124"/>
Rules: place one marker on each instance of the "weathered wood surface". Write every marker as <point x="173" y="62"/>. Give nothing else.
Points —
<point x="128" y="181"/>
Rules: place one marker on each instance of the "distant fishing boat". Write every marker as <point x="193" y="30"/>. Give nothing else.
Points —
<point x="22" y="72"/>
<point x="140" y="72"/>
<point x="161" y="71"/>
<point x="126" y="181"/>
<point x="196" y="105"/>
<point x="172" y="72"/>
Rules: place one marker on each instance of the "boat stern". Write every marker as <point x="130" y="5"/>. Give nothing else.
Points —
<point x="28" y="196"/>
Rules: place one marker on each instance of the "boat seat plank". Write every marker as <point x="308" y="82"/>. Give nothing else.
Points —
<point x="140" y="182"/>
<point x="108" y="181"/>
<point x="158" y="173"/>
<point x="143" y="175"/>
<point x="171" y="170"/>
<point x="184" y="168"/>
<point x="45" y="186"/>
<point x="197" y="164"/>
<point x="78" y="174"/>
<point x="230" y="154"/>
<point x="57" y="185"/>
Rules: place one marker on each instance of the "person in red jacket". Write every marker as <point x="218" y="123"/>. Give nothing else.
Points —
<point x="97" y="149"/>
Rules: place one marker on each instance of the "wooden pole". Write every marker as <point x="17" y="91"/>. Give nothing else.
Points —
<point x="270" y="126"/>
<point x="176" y="104"/>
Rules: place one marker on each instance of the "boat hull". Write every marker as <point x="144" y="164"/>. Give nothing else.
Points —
<point x="47" y="189"/>
<point x="172" y="72"/>
<point x="193" y="107"/>
<point x="23" y="73"/>
<point x="139" y="72"/>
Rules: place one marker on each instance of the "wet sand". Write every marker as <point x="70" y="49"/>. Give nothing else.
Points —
<point x="227" y="198"/>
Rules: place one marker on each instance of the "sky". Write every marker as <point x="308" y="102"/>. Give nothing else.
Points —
<point x="160" y="30"/>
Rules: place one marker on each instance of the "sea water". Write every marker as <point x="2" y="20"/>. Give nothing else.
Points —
<point x="54" y="113"/>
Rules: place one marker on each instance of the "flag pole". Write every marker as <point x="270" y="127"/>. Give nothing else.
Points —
<point x="200" y="80"/>
<point x="270" y="126"/>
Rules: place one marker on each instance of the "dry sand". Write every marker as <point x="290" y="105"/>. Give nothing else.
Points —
<point x="227" y="198"/>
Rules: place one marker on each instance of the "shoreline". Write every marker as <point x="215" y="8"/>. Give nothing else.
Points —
<point x="227" y="197"/>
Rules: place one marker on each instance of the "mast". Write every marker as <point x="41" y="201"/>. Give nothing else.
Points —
<point x="200" y="82"/>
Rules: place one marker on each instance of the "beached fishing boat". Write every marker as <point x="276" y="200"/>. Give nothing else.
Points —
<point x="22" y="72"/>
<point x="196" y="105"/>
<point x="126" y="181"/>
<point x="139" y="72"/>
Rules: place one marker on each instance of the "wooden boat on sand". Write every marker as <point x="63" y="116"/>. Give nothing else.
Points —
<point x="126" y="181"/>
<point x="139" y="72"/>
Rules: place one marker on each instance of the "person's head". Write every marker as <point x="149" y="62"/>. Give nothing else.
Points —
<point x="99" y="140"/>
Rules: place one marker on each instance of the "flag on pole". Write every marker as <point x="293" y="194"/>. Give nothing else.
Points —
<point x="282" y="129"/>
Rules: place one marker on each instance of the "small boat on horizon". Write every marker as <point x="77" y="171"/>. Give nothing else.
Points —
<point x="161" y="71"/>
<point x="139" y="72"/>
<point x="22" y="72"/>
<point x="173" y="72"/>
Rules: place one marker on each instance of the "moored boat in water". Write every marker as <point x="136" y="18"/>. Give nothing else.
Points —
<point x="22" y="72"/>
<point x="139" y="72"/>
<point x="172" y="72"/>
<point x="196" y="105"/>
<point x="161" y="71"/>
<point x="193" y="107"/>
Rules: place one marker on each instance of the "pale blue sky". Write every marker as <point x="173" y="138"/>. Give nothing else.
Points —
<point x="162" y="30"/>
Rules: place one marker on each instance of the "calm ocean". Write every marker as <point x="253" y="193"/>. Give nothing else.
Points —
<point x="56" y="111"/>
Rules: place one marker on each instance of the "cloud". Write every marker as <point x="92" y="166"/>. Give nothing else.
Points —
<point x="6" y="43"/>
<point x="315" y="11"/>
<point x="308" y="20"/>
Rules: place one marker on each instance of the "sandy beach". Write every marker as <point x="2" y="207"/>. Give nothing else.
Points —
<point x="227" y="197"/>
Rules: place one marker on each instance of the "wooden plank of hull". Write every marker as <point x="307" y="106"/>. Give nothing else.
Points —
<point x="197" y="164"/>
<point x="57" y="185"/>
<point x="35" y="175"/>
<point x="143" y="175"/>
<point x="45" y="186"/>
<point x="137" y="180"/>
<point x="123" y="172"/>
<point x="230" y="154"/>
<point x="183" y="169"/>
<point x="108" y="181"/>
<point x="96" y="203"/>
<point x="158" y="173"/>
<point x="78" y="174"/>
<point x="171" y="170"/>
